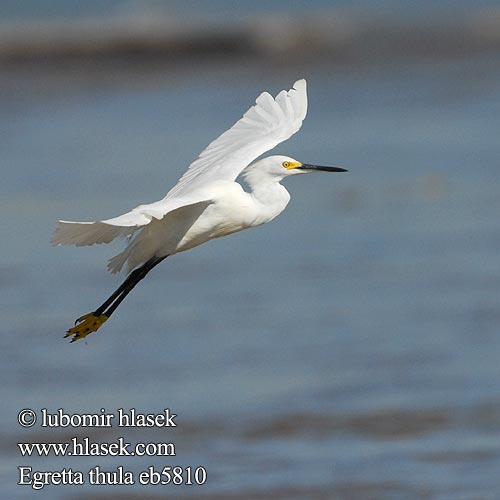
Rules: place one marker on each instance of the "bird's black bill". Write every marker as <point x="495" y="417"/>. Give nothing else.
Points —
<point x="306" y="166"/>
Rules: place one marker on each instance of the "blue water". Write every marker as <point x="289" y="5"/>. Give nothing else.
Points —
<point x="347" y="350"/>
<point x="231" y="9"/>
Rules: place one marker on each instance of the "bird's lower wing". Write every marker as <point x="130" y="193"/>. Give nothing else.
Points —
<point x="87" y="233"/>
<point x="105" y="231"/>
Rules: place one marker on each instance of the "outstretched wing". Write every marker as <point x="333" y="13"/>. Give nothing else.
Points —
<point x="104" y="231"/>
<point x="263" y="126"/>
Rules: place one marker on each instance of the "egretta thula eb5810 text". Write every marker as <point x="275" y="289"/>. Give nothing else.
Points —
<point x="206" y="202"/>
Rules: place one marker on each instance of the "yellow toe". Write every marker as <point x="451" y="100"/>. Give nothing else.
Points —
<point x="88" y="323"/>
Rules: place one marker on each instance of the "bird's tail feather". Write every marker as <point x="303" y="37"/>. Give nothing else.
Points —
<point x="116" y="263"/>
<point x="87" y="233"/>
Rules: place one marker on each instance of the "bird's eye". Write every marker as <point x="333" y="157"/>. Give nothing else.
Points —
<point x="286" y="164"/>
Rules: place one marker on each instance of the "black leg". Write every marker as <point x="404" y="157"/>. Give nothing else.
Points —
<point x="109" y="307"/>
<point x="132" y="279"/>
<point x="91" y="322"/>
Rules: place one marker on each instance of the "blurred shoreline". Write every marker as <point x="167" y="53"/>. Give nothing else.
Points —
<point x="338" y="36"/>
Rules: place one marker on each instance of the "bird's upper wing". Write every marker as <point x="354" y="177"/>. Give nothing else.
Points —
<point x="262" y="127"/>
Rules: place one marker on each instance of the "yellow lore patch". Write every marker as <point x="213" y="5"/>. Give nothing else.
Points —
<point x="290" y="165"/>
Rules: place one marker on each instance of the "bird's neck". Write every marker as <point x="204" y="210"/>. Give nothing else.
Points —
<point x="270" y="196"/>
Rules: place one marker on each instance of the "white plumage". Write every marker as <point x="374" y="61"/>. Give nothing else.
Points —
<point x="206" y="202"/>
<point x="266" y="124"/>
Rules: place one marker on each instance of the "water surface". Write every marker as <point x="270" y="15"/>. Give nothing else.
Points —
<point x="347" y="350"/>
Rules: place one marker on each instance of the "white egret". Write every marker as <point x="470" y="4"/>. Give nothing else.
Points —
<point x="206" y="202"/>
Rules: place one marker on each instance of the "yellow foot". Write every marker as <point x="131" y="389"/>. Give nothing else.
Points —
<point x="88" y="323"/>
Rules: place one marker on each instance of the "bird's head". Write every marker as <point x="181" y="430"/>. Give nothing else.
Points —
<point x="283" y="166"/>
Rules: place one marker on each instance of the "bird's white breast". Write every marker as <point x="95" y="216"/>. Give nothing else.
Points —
<point x="231" y="210"/>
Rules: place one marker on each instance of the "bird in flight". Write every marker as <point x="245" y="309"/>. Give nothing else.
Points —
<point x="206" y="203"/>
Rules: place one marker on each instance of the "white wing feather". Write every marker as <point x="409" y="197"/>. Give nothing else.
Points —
<point x="104" y="231"/>
<point x="262" y="127"/>
<point x="266" y="124"/>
